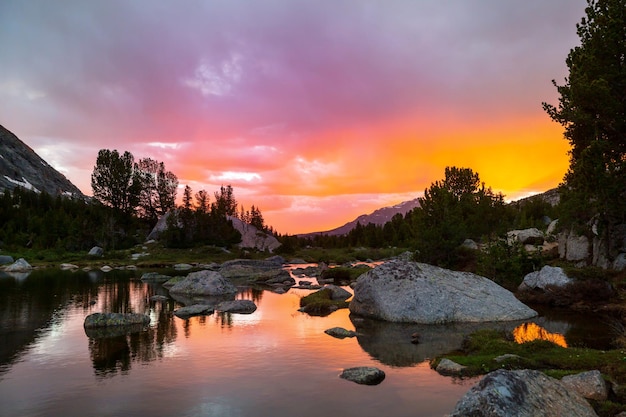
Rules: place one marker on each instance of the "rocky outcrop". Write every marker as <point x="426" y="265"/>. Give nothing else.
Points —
<point x="115" y="319"/>
<point x="573" y="247"/>
<point x="20" y="166"/>
<point x="365" y="375"/>
<point x="19" y="266"/>
<point x="547" y="276"/>
<point x="522" y="393"/>
<point x="401" y="291"/>
<point x="253" y="238"/>
<point x="204" y="283"/>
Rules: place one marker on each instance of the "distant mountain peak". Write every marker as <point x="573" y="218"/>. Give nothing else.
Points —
<point x="20" y="166"/>
<point x="378" y="217"/>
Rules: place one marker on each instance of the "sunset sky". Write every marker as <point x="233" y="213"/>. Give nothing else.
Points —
<point x="315" y="111"/>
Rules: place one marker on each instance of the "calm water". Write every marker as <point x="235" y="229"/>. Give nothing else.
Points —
<point x="274" y="362"/>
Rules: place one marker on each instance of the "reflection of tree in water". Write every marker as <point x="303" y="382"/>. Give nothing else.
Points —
<point x="224" y="319"/>
<point x="31" y="305"/>
<point x="114" y="354"/>
<point x="249" y="293"/>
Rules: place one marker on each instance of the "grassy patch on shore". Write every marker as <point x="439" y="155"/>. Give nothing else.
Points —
<point x="480" y="350"/>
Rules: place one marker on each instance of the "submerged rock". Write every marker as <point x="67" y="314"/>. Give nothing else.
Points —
<point x="363" y="375"/>
<point x="522" y="393"/>
<point x="401" y="291"/>
<point x="115" y="319"/>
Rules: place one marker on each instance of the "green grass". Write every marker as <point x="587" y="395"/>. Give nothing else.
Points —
<point x="320" y="303"/>
<point x="481" y="348"/>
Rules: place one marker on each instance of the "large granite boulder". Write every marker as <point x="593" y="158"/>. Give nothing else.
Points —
<point x="574" y="247"/>
<point x="521" y="393"/>
<point x="401" y="291"/>
<point x="547" y="276"/>
<point x="204" y="283"/>
<point x="253" y="238"/>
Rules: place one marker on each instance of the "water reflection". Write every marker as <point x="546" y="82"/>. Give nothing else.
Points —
<point x="528" y="332"/>
<point x="391" y="343"/>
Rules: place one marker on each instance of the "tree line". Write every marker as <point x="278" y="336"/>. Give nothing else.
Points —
<point x="128" y="198"/>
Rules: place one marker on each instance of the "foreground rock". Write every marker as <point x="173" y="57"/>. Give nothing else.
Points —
<point x="521" y="393"/>
<point x="237" y="306"/>
<point x="547" y="276"/>
<point x="403" y="291"/>
<point x="19" y="266"/>
<point x="204" y="283"/>
<point x="365" y="375"/>
<point x="115" y="319"/>
<point x="589" y="384"/>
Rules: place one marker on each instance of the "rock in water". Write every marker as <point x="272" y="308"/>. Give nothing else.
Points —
<point x="365" y="375"/>
<point x="19" y="266"/>
<point x="204" y="283"/>
<point x="340" y="332"/>
<point x="522" y="393"/>
<point x="403" y="291"/>
<point x="115" y="319"/>
<point x="237" y="306"/>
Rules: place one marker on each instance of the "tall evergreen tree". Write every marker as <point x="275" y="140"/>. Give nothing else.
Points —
<point x="592" y="109"/>
<point x="114" y="180"/>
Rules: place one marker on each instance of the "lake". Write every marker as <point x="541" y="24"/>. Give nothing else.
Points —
<point x="276" y="361"/>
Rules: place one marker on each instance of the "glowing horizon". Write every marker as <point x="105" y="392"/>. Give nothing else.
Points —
<point x="315" y="112"/>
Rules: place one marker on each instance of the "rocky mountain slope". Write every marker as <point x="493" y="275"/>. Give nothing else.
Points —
<point x="379" y="217"/>
<point x="20" y="166"/>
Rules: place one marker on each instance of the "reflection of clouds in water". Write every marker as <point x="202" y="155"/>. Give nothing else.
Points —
<point x="528" y="332"/>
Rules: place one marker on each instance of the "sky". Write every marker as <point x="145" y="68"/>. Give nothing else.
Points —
<point x="315" y="111"/>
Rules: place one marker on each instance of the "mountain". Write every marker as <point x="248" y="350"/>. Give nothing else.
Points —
<point x="20" y="166"/>
<point x="379" y="217"/>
